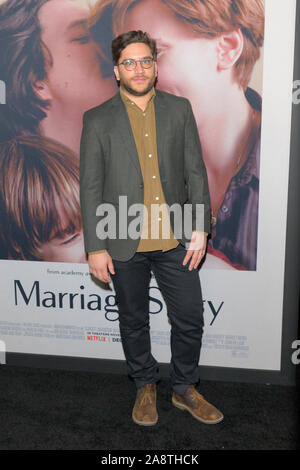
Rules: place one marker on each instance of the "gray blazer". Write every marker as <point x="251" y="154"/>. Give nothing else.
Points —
<point x="109" y="168"/>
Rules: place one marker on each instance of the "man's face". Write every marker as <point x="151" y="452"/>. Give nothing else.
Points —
<point x="187" y="63"/>
<point x="139" y="81"/>
<point x="74" y="80"/>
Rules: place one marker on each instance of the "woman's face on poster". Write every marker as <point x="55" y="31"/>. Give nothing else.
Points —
<point x="74" y="79"/>
<point x="187" y="63"/>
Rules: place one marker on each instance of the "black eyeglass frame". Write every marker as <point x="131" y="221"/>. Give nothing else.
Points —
<point x="141" y="61"/>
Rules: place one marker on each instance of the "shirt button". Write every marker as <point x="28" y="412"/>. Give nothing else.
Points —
<point x="150" y="155"/>
<point x="146" y="135"/>
<point x="159" y="219"/>
<point x="225" y="209"/>
<point x="154" y="177"/>
<point x="157" y="198"/>
<point x="144" y="114"/>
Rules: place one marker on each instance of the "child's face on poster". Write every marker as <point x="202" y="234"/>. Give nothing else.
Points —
<point x="66" y="249"/>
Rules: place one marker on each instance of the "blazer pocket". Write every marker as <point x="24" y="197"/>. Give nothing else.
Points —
<point x="183" y="196"/>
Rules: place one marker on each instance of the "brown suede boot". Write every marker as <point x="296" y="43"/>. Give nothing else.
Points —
<point x="195" y="404"/>
<point x="144" y="411"/>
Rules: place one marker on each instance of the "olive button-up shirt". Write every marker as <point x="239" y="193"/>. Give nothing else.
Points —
<point x="156" y="231"/>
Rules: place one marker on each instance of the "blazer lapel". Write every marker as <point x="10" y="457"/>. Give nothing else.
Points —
<point x="161" y="117"/>
<point x="124" y="130"/>
<point x="126" y="135"/>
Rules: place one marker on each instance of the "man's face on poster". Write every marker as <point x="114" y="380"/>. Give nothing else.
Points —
<point x="74" y="81"/>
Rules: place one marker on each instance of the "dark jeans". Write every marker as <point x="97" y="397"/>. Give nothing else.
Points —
<point x="182" y="294"/>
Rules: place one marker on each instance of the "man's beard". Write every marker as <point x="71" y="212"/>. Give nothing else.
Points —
<point x="133" y="92"/>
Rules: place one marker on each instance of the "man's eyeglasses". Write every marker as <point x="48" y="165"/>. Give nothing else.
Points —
<point x="131" y="64"/>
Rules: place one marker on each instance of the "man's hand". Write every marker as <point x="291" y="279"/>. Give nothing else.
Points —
<point x="100" y="265"/>
<point x="196" y="250"/>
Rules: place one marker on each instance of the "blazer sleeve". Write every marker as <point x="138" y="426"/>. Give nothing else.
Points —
<point x="196" y="176"/>
<point x="91" y="184"/>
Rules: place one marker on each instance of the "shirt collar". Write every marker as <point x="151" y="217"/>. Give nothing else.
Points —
<point x="251" y="166"/>
<point x="250" y="169"/>
<point x="129" y="101"/>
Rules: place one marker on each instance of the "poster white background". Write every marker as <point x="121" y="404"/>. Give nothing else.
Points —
<point x="243" y="310"/>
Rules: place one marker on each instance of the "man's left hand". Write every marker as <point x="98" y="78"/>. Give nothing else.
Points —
<point x="196" y="250"/>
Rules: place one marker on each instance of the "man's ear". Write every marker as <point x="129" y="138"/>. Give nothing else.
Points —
<point x="116" y="71"/>
<point x="42" y="90"/>
<point x="229" y="49"/>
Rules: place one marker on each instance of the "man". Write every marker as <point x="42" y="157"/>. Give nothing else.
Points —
<point x="51" y="68"/>
<point x="144" y="145"/>
<point x="215" y="45"/>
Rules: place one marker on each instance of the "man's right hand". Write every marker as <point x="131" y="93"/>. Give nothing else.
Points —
<point x="101" y="265"/>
